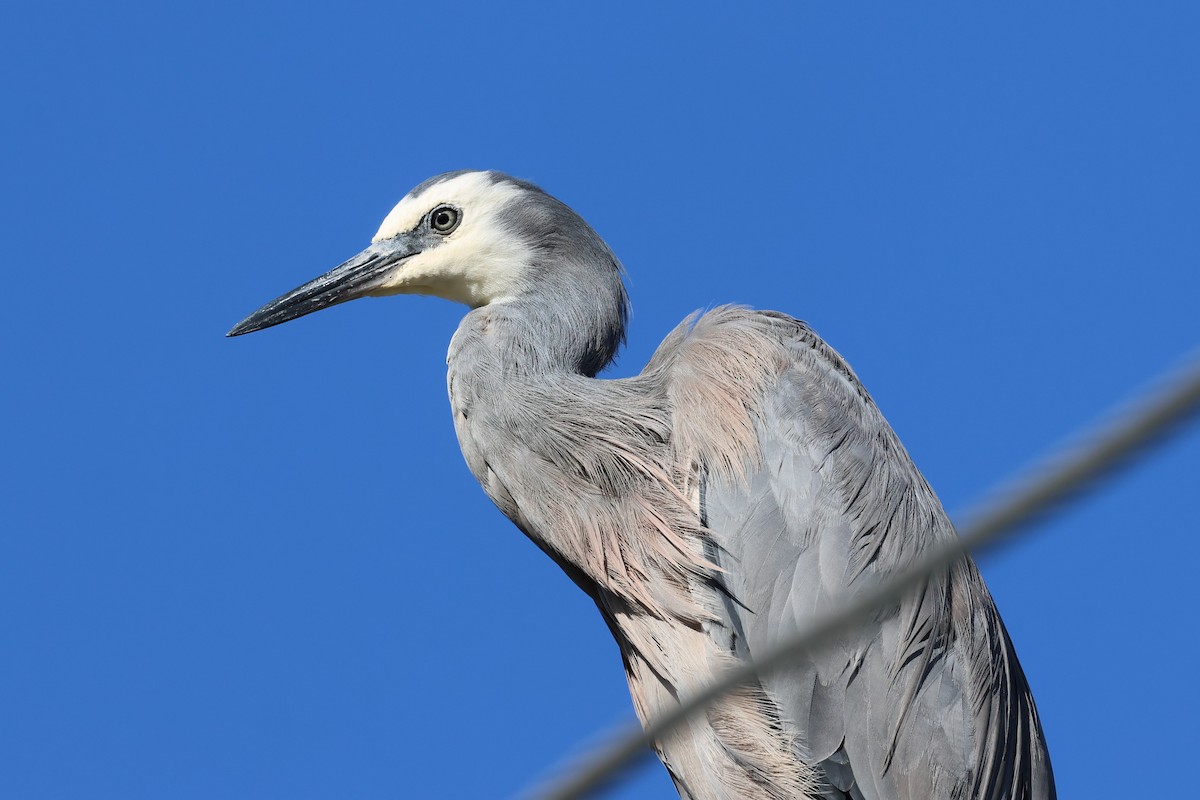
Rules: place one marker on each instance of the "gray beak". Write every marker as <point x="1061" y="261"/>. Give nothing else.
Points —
<point x="355" y="278"/>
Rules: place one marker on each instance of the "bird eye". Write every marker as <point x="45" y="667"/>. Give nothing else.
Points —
<point x="444" y="219"/>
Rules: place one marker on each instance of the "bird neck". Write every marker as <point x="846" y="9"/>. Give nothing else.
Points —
<point x="577" y="332"/>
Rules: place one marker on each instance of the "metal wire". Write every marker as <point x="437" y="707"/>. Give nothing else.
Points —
<point x="1008" y="510"/>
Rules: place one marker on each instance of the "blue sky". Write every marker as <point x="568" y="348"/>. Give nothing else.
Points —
<point x="259" y="568"/>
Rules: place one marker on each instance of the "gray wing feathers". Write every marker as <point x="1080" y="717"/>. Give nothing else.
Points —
<point x="742" y="483"/>
<point x="927" y="700"/>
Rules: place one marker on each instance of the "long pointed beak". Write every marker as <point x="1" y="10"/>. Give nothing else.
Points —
<point x="355" y="278"/>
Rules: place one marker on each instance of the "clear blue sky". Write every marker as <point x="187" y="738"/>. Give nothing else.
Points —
<point x="258" y="568"/>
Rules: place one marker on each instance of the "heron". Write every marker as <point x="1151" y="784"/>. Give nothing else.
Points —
<point x="742" y="482"/>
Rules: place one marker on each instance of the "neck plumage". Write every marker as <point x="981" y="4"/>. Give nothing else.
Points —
<point x="563" y="327"/>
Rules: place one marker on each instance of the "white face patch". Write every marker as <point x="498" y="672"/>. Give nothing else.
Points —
<point x="480" y="262"/>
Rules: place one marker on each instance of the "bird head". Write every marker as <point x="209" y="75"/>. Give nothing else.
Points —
<point x="472" y="237"/>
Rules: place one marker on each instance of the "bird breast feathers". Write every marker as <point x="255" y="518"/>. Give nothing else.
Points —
<point x="608" y="475"/>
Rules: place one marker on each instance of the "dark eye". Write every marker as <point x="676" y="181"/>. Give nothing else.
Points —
<point x="444" y="219"/>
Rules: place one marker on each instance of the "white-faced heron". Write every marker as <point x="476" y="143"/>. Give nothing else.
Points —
<point x="743" y="482"/>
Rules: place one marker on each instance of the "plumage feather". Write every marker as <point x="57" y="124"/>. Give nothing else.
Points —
<point x="807" y="495"/>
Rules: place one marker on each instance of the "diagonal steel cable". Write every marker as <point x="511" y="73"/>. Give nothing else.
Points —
<point x="1005" y="512"/>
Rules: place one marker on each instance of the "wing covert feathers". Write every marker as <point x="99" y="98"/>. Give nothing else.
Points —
<point x="926" y="700"/>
